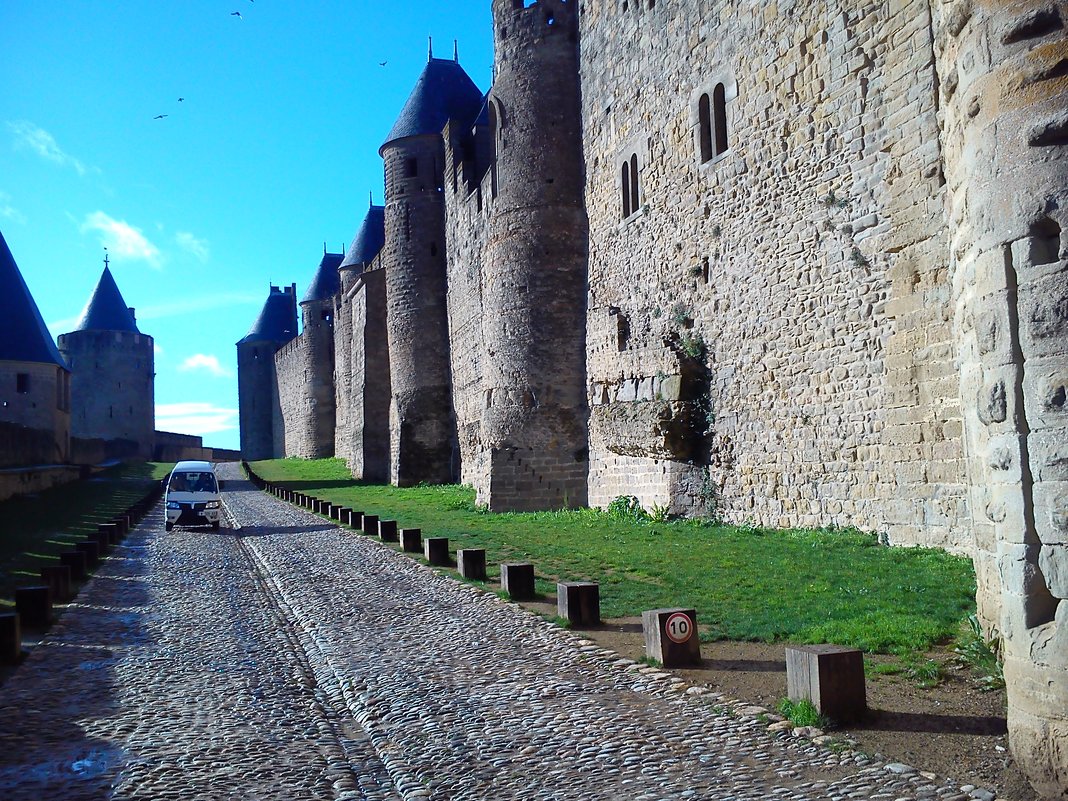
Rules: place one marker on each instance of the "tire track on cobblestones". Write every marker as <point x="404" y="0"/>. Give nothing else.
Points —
<point x="464" y="696"/>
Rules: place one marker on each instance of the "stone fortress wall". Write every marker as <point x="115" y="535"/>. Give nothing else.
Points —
<point x="304" y="369"/>
<point x="788" y="263"/>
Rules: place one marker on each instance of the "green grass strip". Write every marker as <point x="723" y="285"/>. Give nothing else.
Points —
<point x="35" y="529"/>
<point x="804" y="586"/>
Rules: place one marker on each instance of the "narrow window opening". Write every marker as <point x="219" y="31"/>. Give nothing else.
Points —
<point x="704" y="271"/>
<point x="634" y="197"/>
<point x="433" y="248"/>
<point x="22" y="383"/>
<point x="719" y="103"/>
<point x="111" y="411"/>
<point x="625" y="183"/>
<point x="704" y="112"/>
<point x="411" y="168"/>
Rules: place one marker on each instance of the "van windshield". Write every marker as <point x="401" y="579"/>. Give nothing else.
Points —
<point x="193" y="482"/>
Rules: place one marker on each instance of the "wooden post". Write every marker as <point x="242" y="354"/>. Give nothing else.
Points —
<point x="387" y="530"/>
<point x="91" y="551"/>
<point x="411" y="540"/>
<point x="579" y="602"/>
<point x="471" y="563"/>
<point x="57" y="577"/>
<point x="671" y="636"/>
<point x="831" y="677"/>
<point x="34" y="605"/>
<point x="10" y="638"/>
<point x="78" y="564"/>
<point x="356" y="520"/>
<point x="436" y="550"/>
<point x="517" y="579"/>
<point x="370" y="525"/>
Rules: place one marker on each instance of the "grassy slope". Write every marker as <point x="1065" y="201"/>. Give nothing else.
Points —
<point x="35" y="529"/>
<point x="746" y="583"/>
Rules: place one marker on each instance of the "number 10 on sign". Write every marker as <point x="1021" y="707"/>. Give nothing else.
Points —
<point x="679" y="627"/>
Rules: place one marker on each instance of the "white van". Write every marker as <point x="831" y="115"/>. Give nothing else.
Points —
<point x="193" y="496"/>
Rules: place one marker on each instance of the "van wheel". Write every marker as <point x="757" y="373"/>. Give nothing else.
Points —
<point x="168" y="526"/>
<point x="215" y="526"/>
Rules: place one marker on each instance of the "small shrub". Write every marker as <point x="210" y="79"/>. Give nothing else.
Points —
<point x="626" y="508"/>
<point x="859" y="259"/>
<point x="802" y="713"/>
<point x="980" y="654"/>
<point x="693" y="345"/>
<point x="659" y="513"/>
<point x="680" y="315"/>
<point x="926" y="674"/>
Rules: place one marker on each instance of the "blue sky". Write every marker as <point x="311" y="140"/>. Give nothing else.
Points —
<point x="272" y="151"/>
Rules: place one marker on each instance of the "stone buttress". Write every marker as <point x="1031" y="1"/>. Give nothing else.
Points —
<point x="1005" y="130"/>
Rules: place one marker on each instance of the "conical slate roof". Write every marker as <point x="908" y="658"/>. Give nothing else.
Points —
<point x="368" y="240"/>
<point x="443" y="92"/>
<point x="25" y="336"/>
<point x="106" y="310"/>
<point x="326" y="282"/>
<point x="277" y="322"/>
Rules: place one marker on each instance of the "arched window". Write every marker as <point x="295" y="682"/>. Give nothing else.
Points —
<point x="719" y="108"/>
<point x="704" y="113"/>
<point x="625" y="184"/>
<point x="634" y="200"/>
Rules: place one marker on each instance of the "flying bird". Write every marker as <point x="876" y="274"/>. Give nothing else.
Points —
<point x="382" y="63"/>
<point x="236" y="14"/>
<point x="180" y="99"/>
<point x="159" y="116"/>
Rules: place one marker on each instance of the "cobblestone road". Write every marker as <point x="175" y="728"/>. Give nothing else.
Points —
<point x="283" y="658"/>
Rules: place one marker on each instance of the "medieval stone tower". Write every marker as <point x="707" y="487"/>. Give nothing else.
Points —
<point x="112" y="372"/>
<point x="361" y="354"/>
<point x="534" y="411"/>
<point x="422" y="423"/>
<point x="306" y="368"/>
<point x="262" y="429"/>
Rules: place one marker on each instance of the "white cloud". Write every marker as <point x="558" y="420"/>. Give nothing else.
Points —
<point x="123" y="241"/>
<point x="199" y="419"/>
<point x="9" y="212"/>
<point x="43" y="144"/>
<point x="205" y="362"/>
<point x="189" y="243"/>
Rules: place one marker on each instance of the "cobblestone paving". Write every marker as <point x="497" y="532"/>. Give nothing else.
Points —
<point x="284" y="658"/>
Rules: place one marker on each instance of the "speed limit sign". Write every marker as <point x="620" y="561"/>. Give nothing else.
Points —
<point x="679" y="627"/>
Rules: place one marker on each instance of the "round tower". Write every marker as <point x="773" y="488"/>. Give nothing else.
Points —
<point x="262" y="431"/>
<point x="1005" y="139"/>
<point x="422" y="423"/>
<point x="534" y="294"/>
<point x="317" y="312"/>
<point x="112" y="372"/>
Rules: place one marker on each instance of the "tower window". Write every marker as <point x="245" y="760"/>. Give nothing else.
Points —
<point x="629" y="186"/>
<point x="719" y="112"/>
<point x="411" y="168"/>
<point x="625" y="185"/>
<point x="22" y="383"/>
<point x="704" y="112"/>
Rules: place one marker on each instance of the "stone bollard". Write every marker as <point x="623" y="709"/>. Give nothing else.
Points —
<point x="78" y="564"/>
<point x="831" y="677"/>
<point x="471" y="563"/>
<point x="10" y="638"/>
<point x="34" y="605"/>
<point x="671" y="636"/>
<point x="370" y="525"/>
<point x="411" y="540"/>
<point x="579" y="602"/>
<point x="387" y="530"/>
<point x="517" y="579"/>
<point x="436" y="550"/>
<point x="58" y="578"/>
<point x="91" y="551"/>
